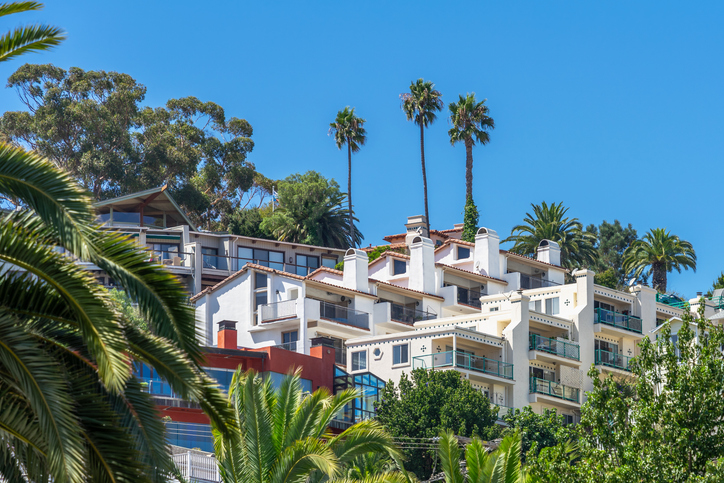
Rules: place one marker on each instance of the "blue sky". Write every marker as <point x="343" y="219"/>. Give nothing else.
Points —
<point x="614" y="108"/>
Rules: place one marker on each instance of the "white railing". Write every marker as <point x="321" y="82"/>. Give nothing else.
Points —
<point x="197" y="467"/>
<point x="279" y="310"/>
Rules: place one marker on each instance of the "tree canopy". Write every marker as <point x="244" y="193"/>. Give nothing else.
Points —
<point x="612" y="240"/>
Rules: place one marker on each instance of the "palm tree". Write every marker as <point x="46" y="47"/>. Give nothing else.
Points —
<point x="30" y="38"/>
<point x="349" y="129"/>
<point x="375" y="468"/>
<point x="662" y="252"/>
<point x="549" y="222"/>
<point x="420" y="106"/>
<point x="283" y="435"/>
<point x="501" y="466"/>
<point x="69" y="404"/>
<point x="471" y="124"/>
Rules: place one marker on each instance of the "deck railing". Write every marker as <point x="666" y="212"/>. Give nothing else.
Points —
<point x="550" y="388"/>
<point x="555" y="347"/>
<point x="470" y="297"/>
<point x="408" y="315"/>
<point x="527" y="282"/>
<point x="197" y="467"/>
<point x="615" y="319"/>
<point x="279" y="310"/>
<point x="464" y="361"/>
<point x="345" y="315"/>
<point x="613" y="359"/>
<point x="289" y="346"/>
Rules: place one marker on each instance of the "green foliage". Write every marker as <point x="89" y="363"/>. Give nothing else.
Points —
<point x="70" y="409"/>
<point x="427" y="402"/>
<point x="29" y="38"/>
<point x="248" y="222"/>
<point x="537" y="431"/>
<point x="91" y="124"/>
<point x="470" y="221"/>
<point x="127" y="309"/>
<point x="613" y="240"/>
<point x="283" y="435"/>
<point x="549" y="222"/>
<point x="608" y="278"/>
<point x="311" y="211"/>
<point x="660" y="252"/>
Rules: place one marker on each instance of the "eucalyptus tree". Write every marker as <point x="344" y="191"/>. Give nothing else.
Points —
<point x="658" y="253"/>
<point x="283" y="435"/>
<point x="29" y="38"/>
<point x="421" y="105"/>
<point x="549" y="222"/>
<point x="349" y="130"/>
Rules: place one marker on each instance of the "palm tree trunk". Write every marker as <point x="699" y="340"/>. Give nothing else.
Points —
<point x="349" y="192"/>
<point x="424" y="175"/>
<point x="659" y="277"/>
<point x="468" y="169"/>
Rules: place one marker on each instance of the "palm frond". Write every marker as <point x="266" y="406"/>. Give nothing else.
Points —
<point x="32" y="38"/>
<point x="449" y="453"/>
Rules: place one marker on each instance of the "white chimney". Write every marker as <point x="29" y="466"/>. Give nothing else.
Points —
<point x="549" y="252"/>
<point x="422" y="265"/>
<point x="415" y="226"/>
<point x="487" y="252"/>
<point x="355" y="270"/>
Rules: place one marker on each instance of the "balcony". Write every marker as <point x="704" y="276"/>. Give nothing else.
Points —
<point x="550" y="388"/>
<point x="469" y="297"/>
<point x="527" y="282"/>
<point x="344" y="315"/>
<point x="618" y="320"/>
<point x="288" y="346"/>
<point x="555" y="347"/>
<point x="215" y="262"/>
<point x="408" y="315"/>
<point x="286" y="309"/>
<point x="613" y="359"/>
<point x="463" y="360"/>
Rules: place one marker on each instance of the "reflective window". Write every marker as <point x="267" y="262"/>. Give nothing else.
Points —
<point x="400" y="354"/>
<point x="359" y="361"/>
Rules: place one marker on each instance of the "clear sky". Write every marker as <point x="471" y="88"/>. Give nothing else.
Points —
<point x="614" y="108"/>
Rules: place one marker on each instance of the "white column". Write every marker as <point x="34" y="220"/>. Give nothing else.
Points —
<point x="302" y="346"/>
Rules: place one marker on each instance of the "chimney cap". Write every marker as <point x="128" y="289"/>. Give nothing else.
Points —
<point x="227" y="325"/>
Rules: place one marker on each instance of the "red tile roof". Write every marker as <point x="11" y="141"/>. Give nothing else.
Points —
<point x="506" y="252"/>
<point x="380" y="282"/>
<point x="326" y="269"/>
<point x="391" y="238"/>
<point x="445" y="266"/>
<point x="451" y="230"/>
<point x="236" y="274"/>
<point x="454" y="240"/>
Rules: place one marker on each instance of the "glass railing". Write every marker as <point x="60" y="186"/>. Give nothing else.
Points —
<point x="279" y="310"/>
<point x="615" y="319"/>
<point x="215" y="262"/>
<point x="555" y="347"/>
<point x="289" y="346"/>
<point x="527" y="282"/>
<point x="408" y="315"/>
<point x="550" y="388"/>
<point x="470" y="297"/>
<point x="345" y="315"/>
<point x="671" y="300"/>
<point x="612" y="359"/>
<point x="464" y="361"/>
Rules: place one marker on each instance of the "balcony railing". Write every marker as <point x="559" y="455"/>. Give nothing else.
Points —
<point x="345" y="315"/>
<point x="215" y="262"/>
<point x="408" y="315"/>
<point x="550" y="388"/>
<point x="615" y="319"/>
<point x="612" y="359"/>
<point x="470" y="297"/>
<point x="464" y="361"/>
<point x="279" y="310"/>
<point x="301" y="270"/>
<point x="289" y="346"/>
<point x="555" y="347"/>
<point x="527" y="282"/>
<point x="197" y="467"/>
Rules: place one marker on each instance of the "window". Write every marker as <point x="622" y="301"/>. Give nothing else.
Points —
<point x="265" y="258"/>
<point x="329" y="261"/>
<point x="289" y="340"/>
<point x="568" y="419"/>
<point x="494" y="309"/>
<point x="359" y="361"/>
<point x="606" y="346"/>
<point x="211" y="260"/>
<point x="377" y="352"/>
<point x="552" y="306"/>
<point x="164" y="251"/>
<point x="603" y="305"/>
<point x="399" y="267"/>
<point x="400" y="354"/>
<point x="535" y="305"/>
<point x="544" y="374"/>
<point x="306" y="264"/>
<point x="463" y="252"/>
<point x="260" y="290"/>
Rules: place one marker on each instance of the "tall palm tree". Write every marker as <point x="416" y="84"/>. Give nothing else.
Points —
<point x="501" y="466"/>
<point x="420" y="106"/>
<point x="30" y="38"/>
<point x="283" y="435"/>
<point x="471" y="124"/>
<point x="549" y="222"/>
<point x="69" y="404"/>
<point x="349" y="129"/>
<point x="660" y="252"/>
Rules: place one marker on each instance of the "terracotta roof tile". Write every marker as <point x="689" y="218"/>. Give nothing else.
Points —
<point x="451" y="230"/>
<point x="389" y="253"/>
<point x="506" y="252"/>
<point x="380" y="282"/>
<point x="392" y="238"/>
<point x="454" y="240"/>
<point x="340" y="287"/>
<point x="326" y="269"/>
<point x="443" y="265"/>
<point x="239" y="272"/>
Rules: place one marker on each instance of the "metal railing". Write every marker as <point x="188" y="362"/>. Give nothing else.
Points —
<point x="171" y="258"/>
<point x="550" y="388"/>
<point x="555" y="347"/>
<point x="464" y="361"/>
<point x="197" y="467"/>
<point x="408" y="315"/>
<point x="527" y="282"/>
<point x="289" y="346"/>
<point x="215" y="262"/>
<point x="345" y="315"/>
<point x="615" y="319"/>
<point x="671" y="301"/>
<point x="612" y="359"/>
<point x="501" y="410"/>
<point x="279" y="310"/>
<point x="300" y="270"/>
<point x="469" y="297"/>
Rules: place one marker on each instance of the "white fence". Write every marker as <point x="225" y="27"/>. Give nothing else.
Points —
<point x="279" y="310"/>
<point x="196" y="467"/>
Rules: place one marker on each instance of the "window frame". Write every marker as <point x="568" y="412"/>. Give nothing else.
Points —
<point x="399" y="347"/>
<point x="457" y="252"/>
<point x="395" y="263"/>
<point x="362" y="353"/>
